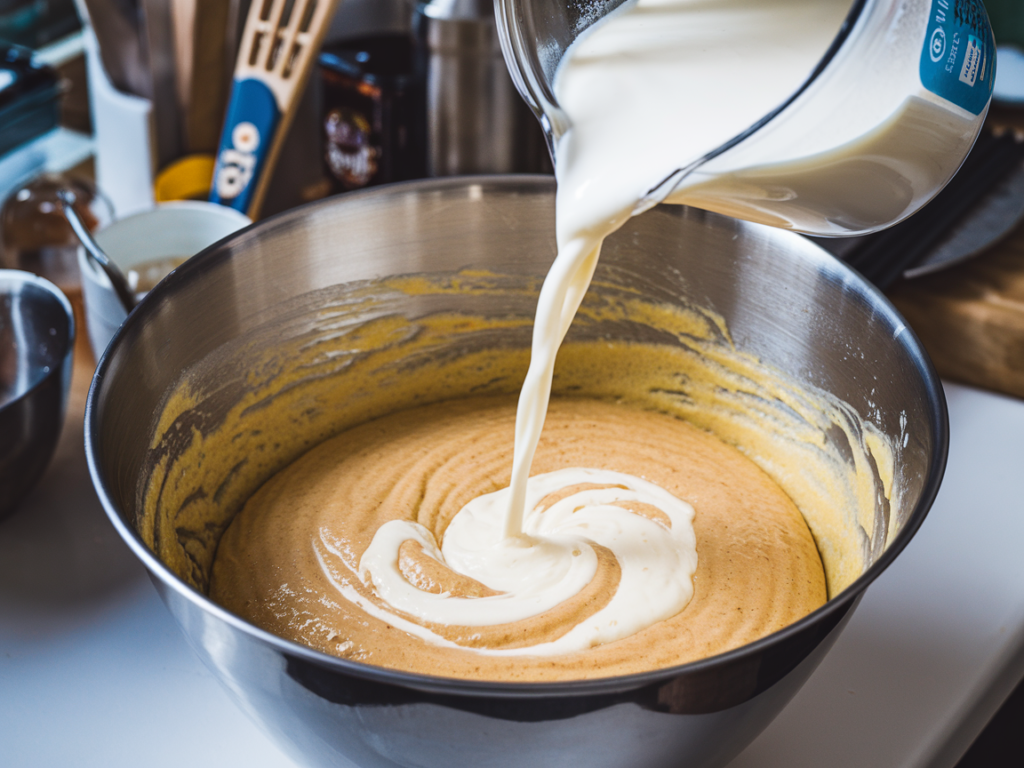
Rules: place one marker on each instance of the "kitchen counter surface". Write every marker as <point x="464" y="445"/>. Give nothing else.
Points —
<point x="93" y="670"/>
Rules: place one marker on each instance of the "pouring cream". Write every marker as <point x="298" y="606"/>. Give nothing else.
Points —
<point x="631" y="86"/>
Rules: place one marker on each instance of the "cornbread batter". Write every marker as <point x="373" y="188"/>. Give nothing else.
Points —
<point x="361" y="547"/>
<point x="295" y="549"/>
<point x="354" y="357"/>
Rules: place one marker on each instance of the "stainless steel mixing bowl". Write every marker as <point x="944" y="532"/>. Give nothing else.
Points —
<point x="292" y="294"/>
<point x="37" y="335"/>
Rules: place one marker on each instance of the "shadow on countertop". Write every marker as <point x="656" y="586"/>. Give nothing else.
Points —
<point x="1001" y="744"/>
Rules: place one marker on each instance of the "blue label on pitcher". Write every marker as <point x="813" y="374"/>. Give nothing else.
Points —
<point x="958" y="62"/>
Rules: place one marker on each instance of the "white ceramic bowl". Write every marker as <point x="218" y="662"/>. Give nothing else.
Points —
<point x="178" y="229"/>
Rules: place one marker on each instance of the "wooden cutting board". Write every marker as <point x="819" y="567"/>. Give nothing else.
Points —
<point x="970" y="317"/>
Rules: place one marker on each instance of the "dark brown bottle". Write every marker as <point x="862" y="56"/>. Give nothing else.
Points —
<point x="371" y="112"/>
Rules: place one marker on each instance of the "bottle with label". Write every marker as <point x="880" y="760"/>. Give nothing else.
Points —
<point x="820" y="116"/>
<point x="370" y="117"/>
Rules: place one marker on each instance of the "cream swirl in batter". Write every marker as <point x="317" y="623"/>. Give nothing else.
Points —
<point x="648" y="531"/>
<point x="317" y="548"/>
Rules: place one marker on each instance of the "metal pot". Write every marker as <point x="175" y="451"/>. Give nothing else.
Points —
<point x="476" y="122"/>
<point x="231" y="319"/>
<point x="37" y="344"/>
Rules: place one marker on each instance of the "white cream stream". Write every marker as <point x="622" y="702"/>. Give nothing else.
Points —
<point x="650" y="89"/>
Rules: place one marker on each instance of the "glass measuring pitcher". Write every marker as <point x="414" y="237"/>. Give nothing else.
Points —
<point x="873" y="132"/>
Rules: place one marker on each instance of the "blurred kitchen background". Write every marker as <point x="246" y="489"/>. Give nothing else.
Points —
<point x="125" y="100"/>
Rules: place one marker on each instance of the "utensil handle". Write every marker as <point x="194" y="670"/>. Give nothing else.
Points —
<point x="121" y="290"/>
<point x="250" y="128"/>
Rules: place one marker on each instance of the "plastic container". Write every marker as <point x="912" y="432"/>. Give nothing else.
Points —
<point x="891" y="111"/>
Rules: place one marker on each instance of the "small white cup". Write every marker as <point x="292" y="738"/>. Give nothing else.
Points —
<point x="170" y="230"/>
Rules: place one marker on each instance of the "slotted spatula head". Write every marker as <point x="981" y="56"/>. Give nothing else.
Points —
<point x="275" y="56"/>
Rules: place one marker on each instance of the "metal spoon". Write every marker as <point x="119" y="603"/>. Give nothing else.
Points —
<point x="121" y="287"/>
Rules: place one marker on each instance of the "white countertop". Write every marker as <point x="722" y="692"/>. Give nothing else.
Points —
<point x="93" y="670"/>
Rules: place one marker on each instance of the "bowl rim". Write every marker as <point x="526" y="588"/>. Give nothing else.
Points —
<point x="836" y="605"/>
<point x="18" y="276"/>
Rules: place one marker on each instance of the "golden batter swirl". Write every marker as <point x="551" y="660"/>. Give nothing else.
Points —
<point x="308" y="526"/>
